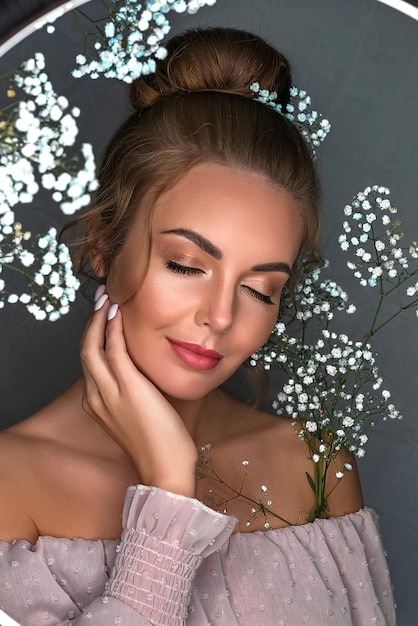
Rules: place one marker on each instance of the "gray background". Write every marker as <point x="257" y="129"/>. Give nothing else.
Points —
<point x="358" y="59"/>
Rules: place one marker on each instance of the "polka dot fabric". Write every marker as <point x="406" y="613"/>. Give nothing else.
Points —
<point x="177" y="563"/>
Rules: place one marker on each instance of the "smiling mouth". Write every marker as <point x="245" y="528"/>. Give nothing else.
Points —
<point x="195" y="356"/>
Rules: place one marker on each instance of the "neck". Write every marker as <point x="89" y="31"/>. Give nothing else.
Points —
<point x="199" y="416"/>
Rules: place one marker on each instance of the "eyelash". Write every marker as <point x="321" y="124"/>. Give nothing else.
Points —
<point x="193" y="271"/>
<point x="258" y="295"/>
<point x="183" y="269"/>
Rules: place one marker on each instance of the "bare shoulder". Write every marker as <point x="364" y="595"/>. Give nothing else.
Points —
<point x="342" y="486"/>
<point x="16" y="464"/>
<point x="258" y="472"/>
<point x="62" y="476"/>
<point x="32" y="465"/>
<point x="267" y="463"/>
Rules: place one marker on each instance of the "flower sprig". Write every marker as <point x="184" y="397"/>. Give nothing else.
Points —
<point x="130" y="42"/>
<point x="38" y="131"/>
<point x="311" y="124"/>
<point x="49" y="285"/>
<point x="373" y="234"/>
<point x="334" y="389"/>
<point x="259" y="508"/>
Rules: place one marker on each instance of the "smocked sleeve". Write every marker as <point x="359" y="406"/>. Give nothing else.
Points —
<point x="164" y="540"/>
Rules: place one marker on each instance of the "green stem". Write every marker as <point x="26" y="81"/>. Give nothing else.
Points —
<point x="383" y="294"/>
<point x="238" y="494"/>
<point x="371" y="332"/>
<point x="28" y="276"/>
<point x="389" y="319"/>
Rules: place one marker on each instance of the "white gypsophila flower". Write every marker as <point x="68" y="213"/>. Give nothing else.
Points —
<point x="26" y="258"/>
<point x="41" y="129"/>
<point x="131" y="39"/>
<point x="371" y="207"/>
<point x="52" y="284"/>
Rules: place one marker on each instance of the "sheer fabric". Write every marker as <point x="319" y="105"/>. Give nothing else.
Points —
<point x="177" y="563"/>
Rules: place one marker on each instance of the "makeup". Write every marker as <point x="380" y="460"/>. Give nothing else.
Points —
<point x="195" y="356"/>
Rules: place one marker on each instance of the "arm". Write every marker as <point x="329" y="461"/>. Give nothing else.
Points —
<point x="165" y="538"/>
<point x="133" y="411"/>
<point x="157" y="560"/>
<point x="154" y="552"/>
<point x="143" y="423"/>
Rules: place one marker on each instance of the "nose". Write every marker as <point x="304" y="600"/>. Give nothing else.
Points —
<point x="217" y="308"/>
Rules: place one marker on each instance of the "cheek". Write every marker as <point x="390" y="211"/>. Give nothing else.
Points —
<point x="254" y="331"/>
<point x="265" y="332"/>
<point x="154" y="303"/>
<point x="126" y="276"/>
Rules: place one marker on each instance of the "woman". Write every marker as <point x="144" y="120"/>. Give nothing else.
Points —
<point x="208" y="200"/>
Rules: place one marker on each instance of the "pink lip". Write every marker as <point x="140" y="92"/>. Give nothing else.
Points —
<point x="194" y="355"/>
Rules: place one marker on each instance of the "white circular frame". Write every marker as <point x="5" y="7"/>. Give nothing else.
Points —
<point x="403" y="7"/>
<point x="39" y="22"/>
<point x="68" y="5"/>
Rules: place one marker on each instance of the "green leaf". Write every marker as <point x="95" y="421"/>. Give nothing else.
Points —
<point x="311" y="483"/>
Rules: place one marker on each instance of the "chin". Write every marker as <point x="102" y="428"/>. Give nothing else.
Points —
<point x="185" y="393"/>
<point x="188" y="387"/>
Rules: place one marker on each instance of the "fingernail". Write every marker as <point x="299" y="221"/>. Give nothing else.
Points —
<point x="99" y="292"/>
<point x="100" y="302"/>
<point x="112" y="312"/>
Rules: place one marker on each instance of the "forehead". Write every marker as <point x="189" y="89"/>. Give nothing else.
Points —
<point x="224" y="203"/>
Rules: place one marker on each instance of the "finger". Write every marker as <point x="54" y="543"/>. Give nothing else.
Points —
<point x="101" y="289"/>
<point x="99" y="304"/>
<point x="127" y="374"/>
<point x="94" y="333"/>
<point x="96" y="385"/>
<point x="92" y="347"/>
<point x="116" y="351"/>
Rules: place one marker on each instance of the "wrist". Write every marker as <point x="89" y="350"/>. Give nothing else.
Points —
<point x="181" y="487"/>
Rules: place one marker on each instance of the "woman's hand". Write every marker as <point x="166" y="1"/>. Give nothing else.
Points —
<point x="131" y="409"/>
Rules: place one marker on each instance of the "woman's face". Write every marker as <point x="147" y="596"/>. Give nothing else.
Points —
<point x="223" y="243"/>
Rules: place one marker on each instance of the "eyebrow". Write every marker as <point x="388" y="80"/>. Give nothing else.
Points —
<point x="272" y="267"/>
<point x="203" y="243"/>
<point x="207" y="246"/>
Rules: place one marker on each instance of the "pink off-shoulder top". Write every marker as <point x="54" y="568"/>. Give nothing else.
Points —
<point x="178" y="563"/>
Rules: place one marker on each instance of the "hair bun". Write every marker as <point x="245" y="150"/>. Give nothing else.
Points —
<point x="214" y="59"/>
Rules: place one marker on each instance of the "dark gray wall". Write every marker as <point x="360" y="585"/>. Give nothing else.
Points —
<point x="359" y="61"/>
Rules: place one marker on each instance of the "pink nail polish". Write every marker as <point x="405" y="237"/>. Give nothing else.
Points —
<point x="112" y="312"/>
<point x="100" y="302"/>
<point x="99" y="292"/>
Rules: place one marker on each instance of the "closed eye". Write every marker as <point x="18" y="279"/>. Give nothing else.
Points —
<point x="183" y="269"/>
<point x="258" y="295"/>
<point x="193" y="271"/>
